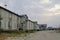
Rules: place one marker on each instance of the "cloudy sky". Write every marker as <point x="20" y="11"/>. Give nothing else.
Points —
<point x="43" y="11"/>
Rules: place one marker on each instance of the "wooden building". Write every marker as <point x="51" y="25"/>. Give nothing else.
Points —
<point x="42" y="26"/>
<point x="36" y="26"/>
<point x="9" y="20"/>
<point x="30" y="25"/>
<point x="23" y="21"/>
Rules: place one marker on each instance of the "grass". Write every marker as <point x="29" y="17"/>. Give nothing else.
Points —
<point x="57" y="31"/>
<point x="14" y="34"/>
<point x="11" y="34"/>
<point x="4" y="35"/>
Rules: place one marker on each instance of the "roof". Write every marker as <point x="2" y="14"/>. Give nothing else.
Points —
<point x="31" y="21"/>
<point x="9" y="11"/>
<point x="24" y="15"/>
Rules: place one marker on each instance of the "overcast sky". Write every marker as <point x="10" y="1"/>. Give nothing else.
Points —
<point x="43" y="11"/>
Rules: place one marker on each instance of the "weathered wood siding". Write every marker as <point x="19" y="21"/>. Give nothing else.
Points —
<point x="14" y="22"/>
<point x="30" y="25"/>
<point x="19" y="22"/>
<point x="37" y="27"/>
<point x="4" y="21"/>
<point x="9" y="21"/>
<point x="23" y="22"/>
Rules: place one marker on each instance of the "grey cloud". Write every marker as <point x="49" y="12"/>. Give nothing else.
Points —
<point x="24" y="7"/>
<point x="55" y="1"/>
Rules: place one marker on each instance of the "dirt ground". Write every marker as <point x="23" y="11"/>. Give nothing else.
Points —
<point x="40" y="35"/>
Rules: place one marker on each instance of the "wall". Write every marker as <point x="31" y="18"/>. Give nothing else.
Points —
<point x="43" y="26"/>
<point x="24" y="22"/>
<point x="4" y="21"/>
<point x="9" y="21"/>
<point x="30" y="25"/>
<point x="37" y="27"/>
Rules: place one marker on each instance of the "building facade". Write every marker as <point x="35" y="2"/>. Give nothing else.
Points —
<point x="23" y="21"/>
<point x="42" y="26"/>
<point x="10" y="21"/>
<point x="36" y="26"/>
<point x="30" y="25"/>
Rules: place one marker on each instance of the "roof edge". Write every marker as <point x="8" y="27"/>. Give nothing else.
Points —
<point x="9" y="11"/>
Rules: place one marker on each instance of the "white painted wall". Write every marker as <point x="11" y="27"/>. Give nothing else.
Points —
<point x="30" y="25"/>
<point x="37" y="27"/>
<point x="4" y="20"/>
<point x="5" y="15"/>
<point x="14" y="22"/>
<point x="19" y="22"/>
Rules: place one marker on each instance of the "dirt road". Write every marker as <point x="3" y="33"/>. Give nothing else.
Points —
<point x="41" y="35"/>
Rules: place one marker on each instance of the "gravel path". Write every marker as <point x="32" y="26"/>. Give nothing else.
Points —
<point x="41" y="35"/>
